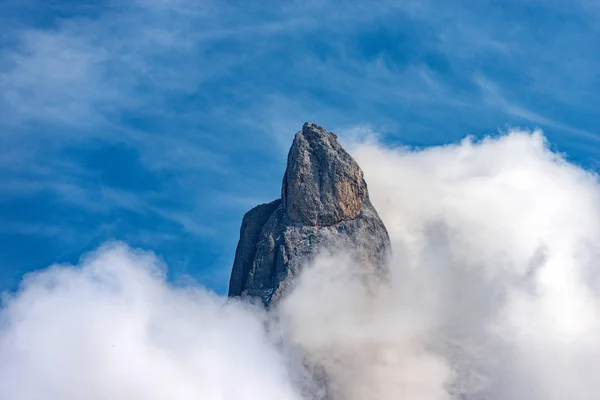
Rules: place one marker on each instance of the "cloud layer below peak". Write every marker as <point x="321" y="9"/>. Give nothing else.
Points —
<point x="494" y="293"/>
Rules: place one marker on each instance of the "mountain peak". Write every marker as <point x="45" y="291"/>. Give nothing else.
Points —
<point x="312" y="130"/>
<point x="322" y="185"/>
<point x="324" y="205"/>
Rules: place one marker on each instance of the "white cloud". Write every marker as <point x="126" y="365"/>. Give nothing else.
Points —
<point x="111" y="328"/>
<point x="370" y="344"/>
<point x="53" y="76"/>
<point x="494" y="293"/>
<point x="496" y="243"/>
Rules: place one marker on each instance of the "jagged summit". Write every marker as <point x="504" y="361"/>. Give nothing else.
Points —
<point x="312" y="131"/>
<point x="322" y="185"/>
<point x="324" y="205"/>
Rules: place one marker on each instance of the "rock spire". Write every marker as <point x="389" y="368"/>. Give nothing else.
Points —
<point x="324" y="205"/>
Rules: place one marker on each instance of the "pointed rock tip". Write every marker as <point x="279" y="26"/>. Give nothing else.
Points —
<point x="322" y="185"/>
<point x="311" y="130"/>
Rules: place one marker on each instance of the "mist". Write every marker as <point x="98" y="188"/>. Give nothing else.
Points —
<point x="493" y="293"/>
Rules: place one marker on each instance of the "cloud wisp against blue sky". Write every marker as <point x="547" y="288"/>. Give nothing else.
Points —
<point x="161" y="122"/>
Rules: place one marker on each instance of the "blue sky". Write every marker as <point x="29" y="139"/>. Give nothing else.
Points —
<point x="161" y="122"/>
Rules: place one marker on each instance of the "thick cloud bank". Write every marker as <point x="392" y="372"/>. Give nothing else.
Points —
<point x="497" y="246"/>
<point x="494" y="294"/>
<point x="112" y="329"/>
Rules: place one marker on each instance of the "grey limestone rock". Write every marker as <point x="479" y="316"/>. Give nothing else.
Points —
<point x="324" y="206"/>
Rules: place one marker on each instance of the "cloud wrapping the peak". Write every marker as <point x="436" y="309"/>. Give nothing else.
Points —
<point x="494" y="293"/>
<point x="496" y="242"/>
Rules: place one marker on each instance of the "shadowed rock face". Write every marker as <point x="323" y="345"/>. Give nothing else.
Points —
<point x="324" y="206"/>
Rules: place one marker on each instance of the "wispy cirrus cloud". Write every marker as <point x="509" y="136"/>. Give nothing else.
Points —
<point x="174" y="101"/>
<point x="493" y="96"/>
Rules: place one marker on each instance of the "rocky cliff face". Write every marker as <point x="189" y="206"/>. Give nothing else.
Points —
<point x="324" y="205"/>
